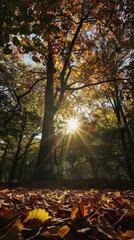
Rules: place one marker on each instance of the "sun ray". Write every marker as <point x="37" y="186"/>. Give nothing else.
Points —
<point x="88" y="147"/>
<point x="67" y="145"/>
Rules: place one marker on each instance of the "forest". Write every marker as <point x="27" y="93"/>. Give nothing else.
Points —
<point x="66" y="91"/>
<point x="66" y="120"/>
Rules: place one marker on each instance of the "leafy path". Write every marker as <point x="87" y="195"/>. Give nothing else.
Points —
<point x="66" y="214"/>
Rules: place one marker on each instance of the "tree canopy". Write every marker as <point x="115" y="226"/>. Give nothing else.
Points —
<point x="61" y="60"/>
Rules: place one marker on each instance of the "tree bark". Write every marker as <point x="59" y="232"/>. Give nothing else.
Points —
<point x="3" y="161"/>
<point x="126" y="155"/>
<point x="45" y="161"/>
<point x="118" y="112"/>
<point x="16" y="158"/>
<point x="24" y="156"/>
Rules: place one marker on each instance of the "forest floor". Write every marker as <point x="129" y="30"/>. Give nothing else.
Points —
<point x="75" y="210"/>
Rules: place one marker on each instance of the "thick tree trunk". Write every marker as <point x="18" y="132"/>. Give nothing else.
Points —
<point x="45" y="161"/>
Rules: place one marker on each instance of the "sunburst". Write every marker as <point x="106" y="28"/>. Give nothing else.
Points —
<point x="72" y="125"/>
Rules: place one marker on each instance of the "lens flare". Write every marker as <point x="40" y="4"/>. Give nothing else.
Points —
<point x="72" y="125"/>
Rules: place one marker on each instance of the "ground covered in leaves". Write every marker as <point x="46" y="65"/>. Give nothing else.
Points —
<point x="44" y="214"/>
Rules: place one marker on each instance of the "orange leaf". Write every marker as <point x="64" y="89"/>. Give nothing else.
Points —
<point x="128" y="234"/>
<point x="4" y="191"/>
<point x="63" y="231"/>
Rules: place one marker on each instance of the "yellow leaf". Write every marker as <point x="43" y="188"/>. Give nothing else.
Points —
<point x="96" y="191"/>
<point x="117" y="193"/>
<point x="21" y="196"/>
<point x="127" y="201"/>
<point x="104" y="198"/>
<point x="18" y="224"/>
<point x="74" y="213"/>
<point x="37" y="213"/>
<point x="91" y="190"/>
<point x="63" y="231"/>
<point x="23" y="42"/>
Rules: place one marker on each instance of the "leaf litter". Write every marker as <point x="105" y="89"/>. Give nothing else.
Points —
<point x="44" y="214"/>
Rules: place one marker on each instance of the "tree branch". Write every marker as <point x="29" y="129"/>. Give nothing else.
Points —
<point x="70" y="69"/>
<point x="38" y="80"/>
<point x="69" y="18"/>
<point x="19" y="97"/>
<point x="71" y="47"/>
<point x="74" y="83"/>
<point x="93" y="84"/>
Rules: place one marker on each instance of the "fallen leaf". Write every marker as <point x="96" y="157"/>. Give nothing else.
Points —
<point x="37" y="213"/>
<point x="128" y="234"/>
<point x="63" y="231"/>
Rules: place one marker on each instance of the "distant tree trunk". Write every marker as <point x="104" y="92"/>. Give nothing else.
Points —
<point x="22" y="166"/>
<point x="17" y="154"/>
<point x="16" y="158"/>
<point x="94" y="165"/>
<point x="3" y="161"/>
<point x="129" y="136"/>
<point x="24" y="156"/>
<point x="126" y="155"/>
<point x="118" y="112"/>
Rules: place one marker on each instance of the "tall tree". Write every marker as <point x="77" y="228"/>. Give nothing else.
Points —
<point x="58" y="37"/>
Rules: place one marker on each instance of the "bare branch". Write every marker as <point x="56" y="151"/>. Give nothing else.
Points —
<point x="74" y="83"/>
<point x="38" y="80"/>
<point x="93" y="84"/>
<point x="69" y="18"/>
<point x="71" y="47"/>
<point x="19" y="97"/>
<point x="68" y="75"/>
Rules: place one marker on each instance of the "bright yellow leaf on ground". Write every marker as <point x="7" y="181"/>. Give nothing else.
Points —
<point x="91" y="190"/>
<point x="37" y="213"/>
<point x="104" y="198"/>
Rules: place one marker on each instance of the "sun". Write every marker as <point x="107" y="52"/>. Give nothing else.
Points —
<point x="72" y="125"/>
